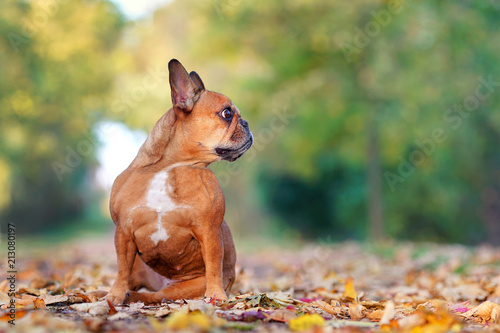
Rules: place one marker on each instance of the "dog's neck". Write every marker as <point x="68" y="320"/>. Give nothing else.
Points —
<point x="160" y="144"/>
<point x="153" y="148"/>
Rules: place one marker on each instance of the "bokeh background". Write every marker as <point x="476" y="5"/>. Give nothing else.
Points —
<point x="373" y="119"/>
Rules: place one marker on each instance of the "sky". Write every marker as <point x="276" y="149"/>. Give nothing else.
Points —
<point x="119" y="144"/>
<point x="136" y="9"/>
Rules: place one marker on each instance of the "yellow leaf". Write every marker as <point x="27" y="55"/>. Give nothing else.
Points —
<point x="200" y="320"/>
<point x="350" y="292"/>
<point x="306" y="322"/>
<point x="182" y="320"/>
<point x="157" y="325"/>
<point x="432" y="322"/>
<point x="330" y="275"/>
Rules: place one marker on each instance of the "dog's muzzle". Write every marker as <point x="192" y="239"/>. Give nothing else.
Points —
<point x="232" y="154"/>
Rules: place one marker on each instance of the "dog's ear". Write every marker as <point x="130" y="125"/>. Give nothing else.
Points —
<point x="197" y="80"/>
<point x="185" y="93"/>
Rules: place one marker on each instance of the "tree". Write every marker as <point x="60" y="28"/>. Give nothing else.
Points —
<point x="57" y="67"/>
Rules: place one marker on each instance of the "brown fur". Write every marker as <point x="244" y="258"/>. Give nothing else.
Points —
<point x="198" y="257"/>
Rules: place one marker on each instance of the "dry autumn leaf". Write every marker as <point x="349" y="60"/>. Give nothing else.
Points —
<point x="389" y="313"/>
<point x="49" y="299"/>
<point x="349" y="291"/>
<point x="282" y="315"/>
<point x="375" y="315"/>
<point x="356" y="311"/>
<point x="98" y="308"/>
<point x="418" y="303"/>
<point x="483" y="312"/>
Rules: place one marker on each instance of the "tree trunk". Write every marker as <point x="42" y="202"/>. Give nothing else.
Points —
<point x="490" y="214"/>
<point x="374" y="182"/>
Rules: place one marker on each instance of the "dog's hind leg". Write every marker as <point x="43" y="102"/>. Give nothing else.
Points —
<point x="177" y="290"/>
<point x="143" y="276"/>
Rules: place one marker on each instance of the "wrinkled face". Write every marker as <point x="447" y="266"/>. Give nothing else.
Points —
<point x="210" y="124"/>
<point x="216" y="125"/>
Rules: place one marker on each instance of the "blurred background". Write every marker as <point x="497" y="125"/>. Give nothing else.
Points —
<point x="372" y="120"/>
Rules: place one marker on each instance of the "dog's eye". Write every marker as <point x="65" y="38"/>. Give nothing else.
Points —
<point x="227" y="113"/>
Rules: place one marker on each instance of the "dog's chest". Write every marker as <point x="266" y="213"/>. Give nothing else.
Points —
<point x="159" y="194"/>
<point x="160" y="201"/>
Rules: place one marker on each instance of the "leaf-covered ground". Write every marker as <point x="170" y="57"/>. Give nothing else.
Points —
<point x="345" y="287"/>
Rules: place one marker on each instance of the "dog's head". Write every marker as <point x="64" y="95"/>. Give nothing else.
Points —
<point x="209" y="122"/>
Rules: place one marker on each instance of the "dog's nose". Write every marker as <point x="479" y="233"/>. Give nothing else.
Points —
<point x="244" y="123"/>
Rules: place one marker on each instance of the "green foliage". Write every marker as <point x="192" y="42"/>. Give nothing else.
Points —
<point x="426" y="57"/>
<point x="56" y="72"/>
<point x="343" y="73"/>
<point x="319" y="207"/>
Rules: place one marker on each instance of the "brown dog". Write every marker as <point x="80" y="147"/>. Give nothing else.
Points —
<point x="168" y="206"/>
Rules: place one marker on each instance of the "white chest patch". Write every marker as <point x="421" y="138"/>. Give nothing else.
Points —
<point x="158" y="198"/>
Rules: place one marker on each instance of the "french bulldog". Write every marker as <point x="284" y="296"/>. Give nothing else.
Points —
<point x="168" y="207"/>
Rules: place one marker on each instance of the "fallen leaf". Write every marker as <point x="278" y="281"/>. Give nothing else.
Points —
<point x="136" y="306"/>
<point x="281" y="315"/>
<point x="6" y="315"/>
<point x="372" y="305"/>
<point x="495" y="314"/>
<point x="51" y="299"/>
<point x="4" y="298"/>
<point x="39" y="282"/>
<point x="328" y="308"/>
<point x="25" y="301"/>
<point x="81" y="307"/>
<point x="418" y="299"/>
<point x="470" y="292"/>
<point x="119" y="316"/>
<point x="39" y="303"/>
<point x="414" y="320"/>
<point x="98" y="308"/>
<point x="389" y="313"/>
<point x="3" y="286"/>
<point x="435" y="304"/>
<point x="183" y="320"/>
<point x="111" y="307"/>
<point x="306" y="322"/>
<point x="201" y="306"/>
<point x="349" y="291"/>
<point x="94" y="324"/>
<point x="356" y="311"/>
<point x="97" y="293"/>
<point x="31" y="320"/>
<point x="31" y="291"/>
<point x="482" y="311"/>
<point x="375" y="315"/>
<point x="437" y="322"/>
<point x="162" y="312"/>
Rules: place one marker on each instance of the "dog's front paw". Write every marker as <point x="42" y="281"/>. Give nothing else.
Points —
<point x="116" y="297"/>
<point x="216" y="294"/>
